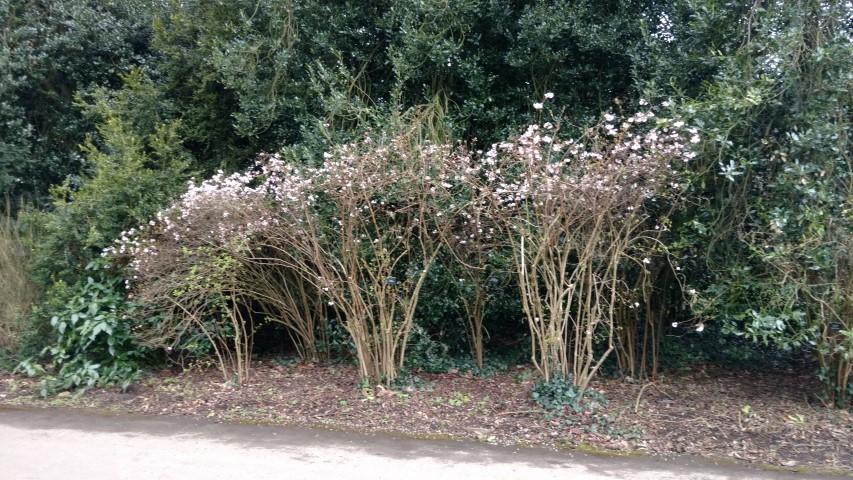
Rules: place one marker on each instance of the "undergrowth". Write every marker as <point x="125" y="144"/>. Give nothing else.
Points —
<point x="17" y="291"/>
<point x="558" y="393"/>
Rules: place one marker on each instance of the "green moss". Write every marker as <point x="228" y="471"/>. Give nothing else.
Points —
<point x="803" y="469"/>
<point x="600" y="452"/>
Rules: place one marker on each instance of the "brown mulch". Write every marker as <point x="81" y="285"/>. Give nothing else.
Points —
<point x="767" y="418"/>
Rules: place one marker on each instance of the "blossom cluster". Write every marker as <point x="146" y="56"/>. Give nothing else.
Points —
<point x="223" y="211"/>
<point x="382" y="189"/>
<point x="616" y="166"/>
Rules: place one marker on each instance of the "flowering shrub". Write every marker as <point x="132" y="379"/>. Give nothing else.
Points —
<point x="578" y="215"/>
<point x="358" y="235"/>
<point x="365" y="229"/>
<point x="189" y="269"/>
<point x="361" y="231"/>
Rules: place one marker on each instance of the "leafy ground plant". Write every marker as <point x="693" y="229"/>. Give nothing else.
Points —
<point x="558" y="393"/>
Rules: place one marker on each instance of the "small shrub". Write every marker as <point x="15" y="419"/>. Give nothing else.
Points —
<point x="427" y="355"/>
<point x="558" y="393"/>
<point x="92" y="343"/>
<point x="406" y="382"/>
<point x="575" y="232"/>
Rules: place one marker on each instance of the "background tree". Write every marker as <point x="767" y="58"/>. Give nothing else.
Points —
<point x="50" y="52"/>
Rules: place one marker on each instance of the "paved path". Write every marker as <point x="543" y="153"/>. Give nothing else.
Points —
<point x="68" y="445"/>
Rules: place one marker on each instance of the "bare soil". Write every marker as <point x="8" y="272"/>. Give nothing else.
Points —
<point x="770" y="418"/>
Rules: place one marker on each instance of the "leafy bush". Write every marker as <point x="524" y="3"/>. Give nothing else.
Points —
<point x="132" y="175"/>
<point x="93" y="344"/>
<point x="427" y="355"/>
<point x="558" y="393"/>
<point x="198" y="270"/>
<point x="766" y="242"/>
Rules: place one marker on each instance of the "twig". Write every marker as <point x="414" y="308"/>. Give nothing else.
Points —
<point x="657" y="418"/>
<point x="808" y="404"/>
<point x="639" y="396"/>
<point x="519" y="411"/>
<point x="329" y="414"/>
<point x="665" y="394"/>
<point x="825" y="405"/>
